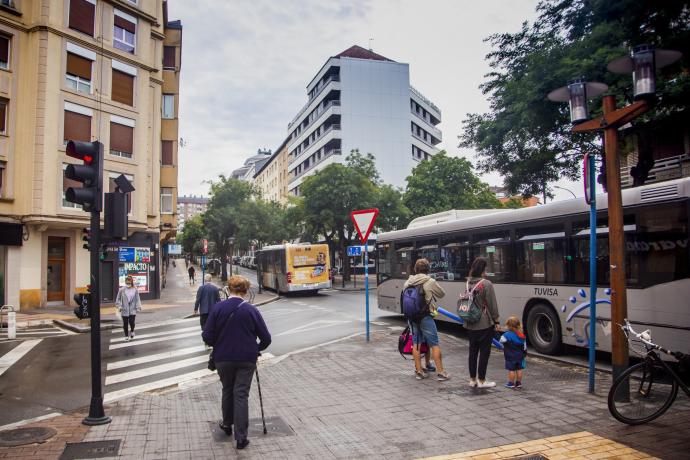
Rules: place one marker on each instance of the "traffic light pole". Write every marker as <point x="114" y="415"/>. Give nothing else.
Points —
<point x="96" y="412"/>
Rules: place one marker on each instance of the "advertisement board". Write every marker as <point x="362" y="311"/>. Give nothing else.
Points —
<point x="135" y="262"/>
<point x="308" y="263"/>
<point x="174" y="249"/>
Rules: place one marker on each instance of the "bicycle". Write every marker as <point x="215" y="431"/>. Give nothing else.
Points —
<point x="647" y="389"/>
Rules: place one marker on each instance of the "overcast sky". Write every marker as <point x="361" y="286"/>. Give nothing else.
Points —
<point x="246" y="63"/>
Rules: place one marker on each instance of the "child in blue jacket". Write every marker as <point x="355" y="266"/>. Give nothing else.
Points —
<point x="514" y="350"/>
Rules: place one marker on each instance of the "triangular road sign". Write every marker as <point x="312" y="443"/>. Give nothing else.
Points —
<point x="364" y="222"/>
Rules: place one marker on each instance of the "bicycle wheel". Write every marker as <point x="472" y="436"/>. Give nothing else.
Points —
<point x="651" y="389"/>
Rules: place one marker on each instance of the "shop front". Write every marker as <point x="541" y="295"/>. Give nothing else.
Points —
<point x="10" y="235"/>
<point x="137" y="257"/>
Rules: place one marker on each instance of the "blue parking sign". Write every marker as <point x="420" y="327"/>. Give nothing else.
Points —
<point x="354" y="251"/>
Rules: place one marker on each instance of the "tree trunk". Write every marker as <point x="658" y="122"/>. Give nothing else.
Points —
<point x="224" y="263"/>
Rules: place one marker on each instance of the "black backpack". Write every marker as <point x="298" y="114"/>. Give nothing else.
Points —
<point x="413" y="303"/>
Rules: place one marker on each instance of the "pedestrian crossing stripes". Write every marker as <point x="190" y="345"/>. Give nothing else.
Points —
<point x="158" y="334"/>
<point x="159" y="369"/>
<point x="152" y="358"/>
<point x="137" y="342"/>
<point x="17" y="353"/>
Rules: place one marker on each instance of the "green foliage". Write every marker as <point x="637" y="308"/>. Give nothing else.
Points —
<point x="192" y="234"/>
<point x="442" y="183"/>
<point x="514" y="203"/>
<point x="526" y="137"/>
<point x="393" y="214"/>
<point x="365" y="165"/>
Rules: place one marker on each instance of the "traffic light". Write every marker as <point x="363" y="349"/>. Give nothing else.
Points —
<point x="86" y="237"/>
<point x="90" y="196"/>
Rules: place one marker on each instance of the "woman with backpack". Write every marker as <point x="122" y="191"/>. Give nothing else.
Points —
<point x="481" y="332"/>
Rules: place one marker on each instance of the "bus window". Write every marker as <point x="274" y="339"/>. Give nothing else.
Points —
<point x="540" y="255"/>
<point x="429" y="250"/>
<point x="495" y="249"/>
<point x="658" y="250"/>
<point x="402" y="260"/>
<point x="384" y="257"/>
<point x="456" y="253"/>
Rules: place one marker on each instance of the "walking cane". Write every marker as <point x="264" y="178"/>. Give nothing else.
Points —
<point x="261" y="401"/>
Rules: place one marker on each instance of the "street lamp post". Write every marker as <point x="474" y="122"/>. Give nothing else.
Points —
<point x="566" y="189"/>
<point x="643" y="62"/>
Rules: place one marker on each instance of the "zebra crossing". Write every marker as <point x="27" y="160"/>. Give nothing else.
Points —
<point x="161" y="355"/>
<point x="42" y="331"/>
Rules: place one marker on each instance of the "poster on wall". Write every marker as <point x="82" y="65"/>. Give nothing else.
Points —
<point x="135" y="262"/>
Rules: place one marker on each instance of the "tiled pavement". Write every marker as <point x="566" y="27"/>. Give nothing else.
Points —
<point x="356" y="400"/>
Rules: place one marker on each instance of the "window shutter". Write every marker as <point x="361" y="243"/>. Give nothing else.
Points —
<point x="121" y="138"/>
<point x="77" y="127"/>
<point x="79" y="66"/>
<point x="167" y="153"/>
<point x="125" y="24"/>
<point x="123" y="88"/>
<point x="169" y="57"/>
<point x="81" y="16"/>
<point x="4" y="49"/>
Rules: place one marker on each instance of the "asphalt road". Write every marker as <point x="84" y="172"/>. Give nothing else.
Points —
<point x="54" y="374"/>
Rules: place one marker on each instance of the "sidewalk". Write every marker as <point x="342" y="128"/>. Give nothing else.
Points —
<point x="352" y="399"/>
<point x="355" y="283"/>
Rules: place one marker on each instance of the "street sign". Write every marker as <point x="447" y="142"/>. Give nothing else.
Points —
<point x="587" y="172"/>
<point x="364" y="222"/>
<point x="205" y="250"/>
<point x="354" y="251"/>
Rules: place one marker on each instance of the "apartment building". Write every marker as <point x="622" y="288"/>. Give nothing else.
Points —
<point x="251" y="165"/>
<point x="172" y="64"/>
<point x="82" y="70"/>
<point x="188" y="207"/>
<point x="362" y="100"/>
<point x="272" y="177"/>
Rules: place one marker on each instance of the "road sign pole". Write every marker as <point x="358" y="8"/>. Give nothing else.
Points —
<point x="366" y="282"/>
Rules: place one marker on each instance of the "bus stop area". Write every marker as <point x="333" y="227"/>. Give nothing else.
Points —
<point x="353" y="399"/>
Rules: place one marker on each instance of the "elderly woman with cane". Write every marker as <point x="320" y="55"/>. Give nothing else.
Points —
<point x="232" y="329"/>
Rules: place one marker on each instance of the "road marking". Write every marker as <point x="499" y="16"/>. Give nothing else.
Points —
<point x="134" y="343"/>
<point x="119" y="394"/>
<point x="16" y="354"/>
<point x="313" y="347"/>
<point x="9" y="426"/>
<point x="378" y="323"/>
<point x="118" y="378"/>
<point x="150" y="358"/>
<point x="159" y="334"/>
<point x="162" y="323"/>
<point x="312" y="326"/>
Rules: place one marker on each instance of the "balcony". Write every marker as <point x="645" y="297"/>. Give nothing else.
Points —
<point x="427" y="126"/>
<point x="319" y="90"/>
<point x="326" y="154"/>
<point x="318" y="143"/>
<point x="323" y="108"/>
<point x="427" y="142"/>
<point x="425" y="100"/>
<point x="664" y="169"/>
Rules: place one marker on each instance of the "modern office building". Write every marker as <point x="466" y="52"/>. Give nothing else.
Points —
<point x="188" y="207"/>
<point x="362" y="100"/>
<point x="79" y="70"/>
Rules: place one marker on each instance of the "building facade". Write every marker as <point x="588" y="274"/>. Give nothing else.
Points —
<point x="251" y="165"/>
<point x="188" y="207"/>
<point x="79" y="70"/>
<point x="362" y="100"/>
<point x="272" y="177"/>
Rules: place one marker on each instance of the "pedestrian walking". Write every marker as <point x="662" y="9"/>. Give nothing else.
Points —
<point x="424" y="329"/>
<point x="514" y="351"/>
<point x="128" y="303"/>
<point x="206" y="297"/>
<point x="481" y="333"/>
<point x="191" y="272"/>
<point x="232" y="329"/>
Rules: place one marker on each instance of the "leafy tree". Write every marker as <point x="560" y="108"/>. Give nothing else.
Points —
<point x="263" y="223"/>
<point x="223" y="215"/>
<point x="527" y="138"/>
<point x="442" y="183"/>
<point x="393" y="214"/>
<point x="365" y="165"/>
<point x="192" y="234"/>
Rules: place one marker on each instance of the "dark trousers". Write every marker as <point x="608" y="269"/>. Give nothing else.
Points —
<point x="202" y="320"/>
<point x="236" y="378"/>
<point x="128" y="321"/>
<point x="480" y="346"/>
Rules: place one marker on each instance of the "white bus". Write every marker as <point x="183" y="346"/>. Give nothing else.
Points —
<point x="538" y="259"/>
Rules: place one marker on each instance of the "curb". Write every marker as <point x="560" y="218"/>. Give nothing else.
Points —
<point x="258" y="304"/>
<point x="353" y="289"/>
<point x="82" y="329"/>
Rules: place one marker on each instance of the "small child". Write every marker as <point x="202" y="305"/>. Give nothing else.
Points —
<point x="514" y="351"/>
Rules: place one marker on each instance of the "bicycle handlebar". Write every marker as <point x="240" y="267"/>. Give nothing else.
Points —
<point x="645" y="338"/>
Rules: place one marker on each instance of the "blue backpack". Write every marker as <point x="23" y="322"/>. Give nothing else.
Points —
<point x="413" y="303"/>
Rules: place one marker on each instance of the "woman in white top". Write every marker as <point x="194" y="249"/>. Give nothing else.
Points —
<point x="129" y="303"/>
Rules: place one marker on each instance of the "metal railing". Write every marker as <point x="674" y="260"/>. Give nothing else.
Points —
<point x="318" y="112"/>
<point x="423" y="98"/>
<point x="664" y="169"/>
<point x="431" y="129"/>
<point x="326" y="154"/>
<point x="311" y="98"/>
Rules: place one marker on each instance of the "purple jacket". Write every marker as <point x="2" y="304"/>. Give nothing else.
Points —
<point x="232" y="329"/>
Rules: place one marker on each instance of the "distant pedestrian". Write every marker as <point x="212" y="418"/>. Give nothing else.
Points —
<point x="128" y="303"/>
<point x="232" y="329"/>
<point x="425" y="329"/>
<point x="514" y="350"/>
<point x="206" y="297"/>
<point x="191" y="272"/>
<point x="481" y="333"/>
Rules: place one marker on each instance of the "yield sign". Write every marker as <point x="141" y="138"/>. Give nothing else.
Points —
<point x="364" y="222"/>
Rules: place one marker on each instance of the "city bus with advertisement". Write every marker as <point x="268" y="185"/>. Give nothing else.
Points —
<point x="538" y="260"/>
<point x="293" y="267"/>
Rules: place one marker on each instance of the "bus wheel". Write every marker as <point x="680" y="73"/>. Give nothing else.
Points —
<point x="544" y="329"/>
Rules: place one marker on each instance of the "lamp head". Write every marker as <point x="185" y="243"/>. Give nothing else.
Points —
<point x="576" y="94"/>
<point x="642" y="63"/>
